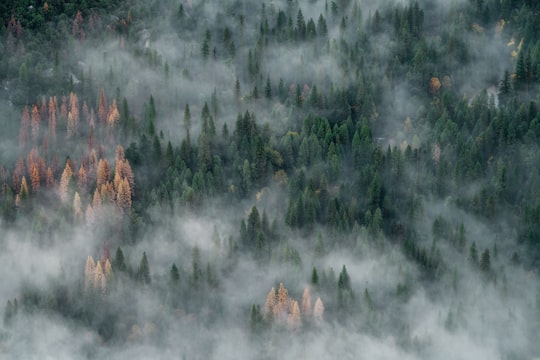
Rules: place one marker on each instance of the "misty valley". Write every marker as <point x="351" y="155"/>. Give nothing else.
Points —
<point x="323" y="179"/>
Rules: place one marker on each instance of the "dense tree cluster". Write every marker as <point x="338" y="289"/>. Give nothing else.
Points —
<point x="315" y="163"/>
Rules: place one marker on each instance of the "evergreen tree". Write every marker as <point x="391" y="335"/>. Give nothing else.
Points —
<point x="143" y="274"/>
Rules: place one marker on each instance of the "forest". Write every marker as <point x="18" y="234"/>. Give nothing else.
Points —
<point x="326" y="179"/>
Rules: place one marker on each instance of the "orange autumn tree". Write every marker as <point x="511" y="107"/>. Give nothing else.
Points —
<point x="64" y="181"/>
<point x="282" y="309"/>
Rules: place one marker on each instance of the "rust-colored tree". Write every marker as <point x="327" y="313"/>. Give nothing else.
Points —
<point x="67" y="174"/>
<point x="123" y="197"/>
<point x="82" y="180"/>
<point x="103" y="172"/>
<point x="34" y="178"/>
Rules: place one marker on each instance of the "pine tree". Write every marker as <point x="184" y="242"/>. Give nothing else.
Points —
<point x="485" y="262"/>
<point x="314" y="277"/>
<point x="143" y="274"/>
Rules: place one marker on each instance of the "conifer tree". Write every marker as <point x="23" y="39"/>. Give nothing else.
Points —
<point x="143" y="274"/>
<point x="35" y="178"/>
<point x="306" y="304"/>
<point x="89" y="273"/>
<point x="293" y="319"/>
<point x="52" y="120"/>
<point x="35" y="123"/>
<point x="25" y="127"/>
<point x="318" y="311"/>
<point x="64" y="181"/>
<point x="102" y="106"/>
<point x="82" y="180"/>
<point x="100" y="282"/>
<point x="77" y="206"/>
<point x="269" y="305"/>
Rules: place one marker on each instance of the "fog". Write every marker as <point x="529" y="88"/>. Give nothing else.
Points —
<point x="396" y="310"/>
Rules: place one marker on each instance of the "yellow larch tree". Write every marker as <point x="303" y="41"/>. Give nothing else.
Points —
<point x="306" y="304"/>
